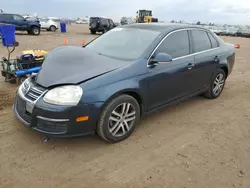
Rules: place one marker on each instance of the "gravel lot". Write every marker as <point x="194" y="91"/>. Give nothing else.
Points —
<point x="198" y="143"/>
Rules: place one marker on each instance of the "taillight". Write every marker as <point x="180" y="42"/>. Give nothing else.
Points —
<point x="237" y="46"/>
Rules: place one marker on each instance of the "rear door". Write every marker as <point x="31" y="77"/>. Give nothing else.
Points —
<point x="171" y="81"/>
<point x="205" y="49"/>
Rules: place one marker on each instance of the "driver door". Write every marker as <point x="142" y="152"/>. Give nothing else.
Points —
<point x="171" y="81"/>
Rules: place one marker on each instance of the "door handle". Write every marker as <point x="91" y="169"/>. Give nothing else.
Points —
<point x="190" y="66"/>
<point x="216" y="59"/>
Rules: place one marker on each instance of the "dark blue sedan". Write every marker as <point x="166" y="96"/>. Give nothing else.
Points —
<point x="106" y="86"/>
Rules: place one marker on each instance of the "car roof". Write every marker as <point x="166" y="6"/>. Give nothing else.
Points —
<point x="162" y="27"/>
<point x="10" y="14"/>
<point x="100" y="18"/>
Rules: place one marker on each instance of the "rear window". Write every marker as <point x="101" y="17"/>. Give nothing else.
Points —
<point x="200" y="41"/>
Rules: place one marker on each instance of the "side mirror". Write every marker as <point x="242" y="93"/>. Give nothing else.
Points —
<point x="161" y="58"/>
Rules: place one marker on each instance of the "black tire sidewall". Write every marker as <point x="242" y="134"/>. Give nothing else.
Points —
<point x="111" y="106"/>
<point x="211" y="85"/>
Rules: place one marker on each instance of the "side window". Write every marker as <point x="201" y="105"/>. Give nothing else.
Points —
<point x="104" y="21"/>
<point x="7" y="17"/>
<point x="213" y="41"/>
<point x="200" y="40"/>
<point x="176" y="44"/>
<point x="18" y="18"/>
<point x="111" y="22"/>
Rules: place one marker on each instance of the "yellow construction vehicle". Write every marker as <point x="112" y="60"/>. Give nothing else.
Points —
<point x="145" y="16"/>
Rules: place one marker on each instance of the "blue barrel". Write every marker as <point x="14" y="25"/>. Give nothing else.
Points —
<point x="1" y="28"/>
<point x="63" y="27"/>
<point x="21" y="73"/>
<point x="8" y="34"/>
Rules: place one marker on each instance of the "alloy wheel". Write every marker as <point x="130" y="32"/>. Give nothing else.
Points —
<point x="122" y="119"/>
<point x="36" y="31"/>
<point x="53" y="28"/>
<point x="218" y="84"/>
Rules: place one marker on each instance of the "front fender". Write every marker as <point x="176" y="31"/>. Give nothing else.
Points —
<point x="106" y="92"/>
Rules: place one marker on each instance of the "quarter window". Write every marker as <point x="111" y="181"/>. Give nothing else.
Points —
<point x="200" y="40"/>
<point x="176" y="44"/>
<point x="213" y="41"/>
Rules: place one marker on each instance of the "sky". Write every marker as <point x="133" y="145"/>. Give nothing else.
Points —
<point x="216" y="11"/>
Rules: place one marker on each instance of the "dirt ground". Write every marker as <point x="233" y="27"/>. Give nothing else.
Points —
<point x="199" y="143"/>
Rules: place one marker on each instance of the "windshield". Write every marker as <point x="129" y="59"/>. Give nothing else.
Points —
<point x="123" y="43"/>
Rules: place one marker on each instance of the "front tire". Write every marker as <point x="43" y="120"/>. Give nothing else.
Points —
<point x="118" y="119"/>
<point x="217" y="85"/>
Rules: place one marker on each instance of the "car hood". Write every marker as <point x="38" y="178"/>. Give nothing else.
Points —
<point x="73" y="65"/>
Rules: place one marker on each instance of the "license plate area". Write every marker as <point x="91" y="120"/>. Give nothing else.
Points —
<point x="29" y="107"/>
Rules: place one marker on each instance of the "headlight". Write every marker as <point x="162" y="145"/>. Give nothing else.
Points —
<point x="64" y="95"/>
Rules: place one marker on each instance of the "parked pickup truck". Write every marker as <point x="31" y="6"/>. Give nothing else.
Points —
<point x="32" y="27"/>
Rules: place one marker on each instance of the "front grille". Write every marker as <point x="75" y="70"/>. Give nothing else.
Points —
<point x="53" y="127"/>
<point x="34" y="93"/>
<point x="21" y="109"/>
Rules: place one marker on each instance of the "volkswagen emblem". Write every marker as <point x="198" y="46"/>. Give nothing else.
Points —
<point x="25" y="88"/>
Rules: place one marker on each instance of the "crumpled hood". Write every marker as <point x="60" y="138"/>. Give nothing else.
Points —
<point x="72" y="65"/>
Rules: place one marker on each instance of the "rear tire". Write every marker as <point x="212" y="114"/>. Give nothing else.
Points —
<point x="118" y="119"/>
<point x="35" y="30"/>
<point x="217" y="85"/>
<point x="52" y="28"/>
<point x="93" y="32"/>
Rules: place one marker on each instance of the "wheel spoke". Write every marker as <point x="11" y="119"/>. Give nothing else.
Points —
<point x="127" y="109"/>
<point x="130" y="114"/>
<point x="129" y="119"/>
<point x="220" y="77"/>
<point x="221" y="82"/>
<point x="114" y="119"/>
<point x="123" y="129"/>
<point x="123" y="108"/>
<point x="219" y="89"/>
<point x="126" y="125"/>
<point x="116" y="129"/>
<point x="116" y="114"/>
<point x="215" y="89"/>
<point x="216" y="81"/>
